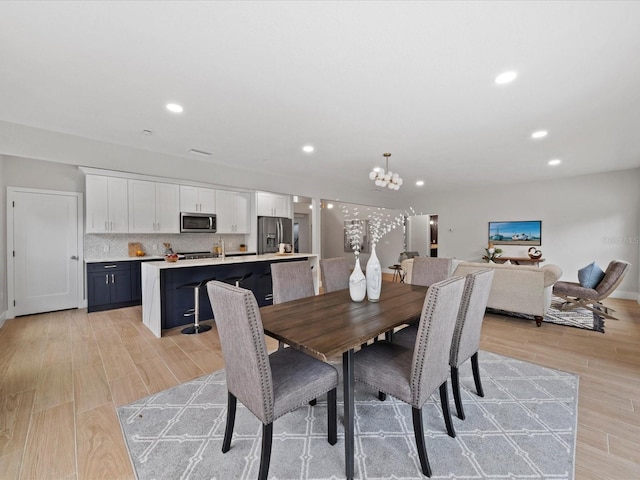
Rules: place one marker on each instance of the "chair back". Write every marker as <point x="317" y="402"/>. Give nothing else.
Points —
<point x="246" y="358"/>
<point x="291" y="281"/>
<point x="614" y="274"/>
<point x="429" y="270"/>
<point x="430" y="364"/>
<point x="466" y="335"/>
<point x="335" y="274"/>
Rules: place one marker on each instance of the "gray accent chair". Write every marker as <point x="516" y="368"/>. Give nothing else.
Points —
<point x="335" y="274"/>
<point x="412" y="374"/>
<point x="268" y="385"/>
<point x="575" y="295"/>
<point x="429" y="270"/>
<point x="466" y="336"/>
<point x="291" y="281"/>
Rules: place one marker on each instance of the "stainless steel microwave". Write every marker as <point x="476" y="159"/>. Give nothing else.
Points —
<point x="198" y="222"/>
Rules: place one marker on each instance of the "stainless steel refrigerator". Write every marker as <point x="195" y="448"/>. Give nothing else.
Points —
<point x="273" y="231"/>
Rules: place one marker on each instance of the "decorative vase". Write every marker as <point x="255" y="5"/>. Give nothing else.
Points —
<point x="374" y="276"/>
<point x="357" y="283"/>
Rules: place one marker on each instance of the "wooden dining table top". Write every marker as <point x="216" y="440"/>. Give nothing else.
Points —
<point x="330" y="324"/>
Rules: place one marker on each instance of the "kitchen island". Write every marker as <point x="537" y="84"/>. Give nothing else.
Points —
<point x="164" y="304"/>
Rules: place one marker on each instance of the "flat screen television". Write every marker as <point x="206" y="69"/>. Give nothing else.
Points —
<point x="528" y="233"/>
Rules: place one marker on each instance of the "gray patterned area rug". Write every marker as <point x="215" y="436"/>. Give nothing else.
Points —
<point x="577" y="317"/>
<point x="524" y="428"/>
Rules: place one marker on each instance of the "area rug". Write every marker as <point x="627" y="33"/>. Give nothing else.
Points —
<point x="524" y="428"/>
<point x="577" y="317"/>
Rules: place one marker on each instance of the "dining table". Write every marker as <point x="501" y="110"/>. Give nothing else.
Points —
<point x="329" y="325"/>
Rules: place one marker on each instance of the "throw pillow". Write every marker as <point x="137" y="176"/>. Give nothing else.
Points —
<point x="590" y="276"/>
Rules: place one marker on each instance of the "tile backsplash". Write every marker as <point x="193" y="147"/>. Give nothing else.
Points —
<point x="117" y="245"/>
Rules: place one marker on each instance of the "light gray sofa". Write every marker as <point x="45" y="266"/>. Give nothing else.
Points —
<point x="515" y="288"/>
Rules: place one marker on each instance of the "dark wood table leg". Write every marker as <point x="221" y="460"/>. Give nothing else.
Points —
<point x="349" y="411"/>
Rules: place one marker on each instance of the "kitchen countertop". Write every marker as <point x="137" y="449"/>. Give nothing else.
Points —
<point x="148" y="258"/>
<point x="203" y="262"/>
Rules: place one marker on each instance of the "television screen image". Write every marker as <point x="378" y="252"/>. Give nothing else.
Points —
<point x="527" y="233"/>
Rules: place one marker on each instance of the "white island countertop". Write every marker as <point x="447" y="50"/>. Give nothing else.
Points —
<point x="152" y="286"/>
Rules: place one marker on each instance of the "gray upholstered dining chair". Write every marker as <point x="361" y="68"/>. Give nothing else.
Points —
<point x="335" y="274"/>
<point x="291" y="281"/>
<point x="413" y="374"/>
<point x="466" y="336"/>
<point x="429" y="270"/>
<point x="268" y="385"/>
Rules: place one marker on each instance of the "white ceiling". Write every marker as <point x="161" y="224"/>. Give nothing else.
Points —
<point x="258" y="80"/>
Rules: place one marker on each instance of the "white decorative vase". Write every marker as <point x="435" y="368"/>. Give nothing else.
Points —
<point x="357" y="283"/>
<point x="374" y="276"/>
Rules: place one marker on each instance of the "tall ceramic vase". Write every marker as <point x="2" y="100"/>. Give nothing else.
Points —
<point x="374" y="276"/>
<point x="357" y="283"/>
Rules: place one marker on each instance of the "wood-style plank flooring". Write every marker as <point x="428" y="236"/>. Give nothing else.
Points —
<point x="62" y="375"/>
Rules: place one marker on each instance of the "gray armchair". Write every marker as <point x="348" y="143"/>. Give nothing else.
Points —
<point x="575" y="295"/>
<point x="335" y="274"/>
<point x="268" y="385"/>
<point x="429" y="270"/>
<point x="412" y="374"/>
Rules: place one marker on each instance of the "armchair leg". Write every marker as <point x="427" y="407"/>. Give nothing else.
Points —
<point x="265" y="456"/>
<point x="231" y="420"/>
<point x="538" y="320"/>
<point x="455" y="384"/>
<point x="476" y="374"/>
<point x="446" y="413"/>
<point x="418" y="431"/>
<point x="332" y="417"/>
<point x="382" y="396"/>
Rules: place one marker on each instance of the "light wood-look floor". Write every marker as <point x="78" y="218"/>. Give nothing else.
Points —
<point x="62" y="375"/>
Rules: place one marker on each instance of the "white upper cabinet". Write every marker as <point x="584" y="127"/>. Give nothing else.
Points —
<point x="232" y="212"/>
<point x="107" y="204"/>
<point x="153" y="207"/>
<point x="197" y="200"/>
<point x="273" y="205"/>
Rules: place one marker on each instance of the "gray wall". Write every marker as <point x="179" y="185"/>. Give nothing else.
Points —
<point x="3" y="244"/>
<point x="584" y="218"/>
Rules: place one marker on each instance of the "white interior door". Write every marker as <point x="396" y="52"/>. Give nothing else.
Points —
<point x="45" y="242"/>
<point x="418" y="235"/>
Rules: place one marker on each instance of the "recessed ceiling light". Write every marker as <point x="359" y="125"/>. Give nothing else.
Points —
<point x="506" y="77"/>
<point x="174" y="108"/>
<point x="555" y="161"/>
<point x="376" y="169"/>
<point x="308" y="148"/>
<point x="329" y="205"/>
<point x="420" y="183"/>
<point x="310" y="207"/>
<point x="539" y="134"/>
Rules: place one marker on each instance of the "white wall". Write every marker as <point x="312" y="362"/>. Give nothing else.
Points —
<point x="3" y="244"/>
<point x="585" y="218"/>
<point x="387" y="250"/>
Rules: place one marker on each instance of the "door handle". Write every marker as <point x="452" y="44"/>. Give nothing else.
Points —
<point x="74" y="257"/>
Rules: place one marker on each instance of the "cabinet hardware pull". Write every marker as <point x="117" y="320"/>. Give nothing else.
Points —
<point x="110" y="266"/>
<point x="112" y="278"/>
<point x="106" y="279"/>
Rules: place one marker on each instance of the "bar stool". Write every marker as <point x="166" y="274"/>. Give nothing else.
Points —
<point x="237" y="280"/>
<point x="195" y="311"/>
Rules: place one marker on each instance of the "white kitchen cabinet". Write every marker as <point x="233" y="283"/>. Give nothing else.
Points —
<point x="153" y="207"/>
<point x="273" y="205"/>
<point x="232" y="212"/>
<point x="107" y="205"/>
<point x="197" y="199"/>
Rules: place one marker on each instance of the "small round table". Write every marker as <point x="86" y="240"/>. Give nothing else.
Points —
<point x="398" y="273"/>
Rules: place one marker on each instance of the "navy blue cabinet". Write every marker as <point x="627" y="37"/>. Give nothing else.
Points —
<point x="111" y="285"/>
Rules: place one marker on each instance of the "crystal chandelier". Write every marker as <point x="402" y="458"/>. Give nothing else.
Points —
<point x="388" y="179"/>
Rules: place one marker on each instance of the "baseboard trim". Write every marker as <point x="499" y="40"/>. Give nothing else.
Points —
<point x="626" y="295"/>
<point x="3" y="318"/>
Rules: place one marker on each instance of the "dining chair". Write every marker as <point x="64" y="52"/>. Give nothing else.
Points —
<point x="291" y="281"/>
<point x="466" y="336"/>
<point x="429" y="270"/>
<point x="335" y="274"/>
<point x="411" y="374"/>
<point x="268" y="385"/>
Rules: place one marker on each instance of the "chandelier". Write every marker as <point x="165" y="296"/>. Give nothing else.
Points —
<point x="388" y="179"/>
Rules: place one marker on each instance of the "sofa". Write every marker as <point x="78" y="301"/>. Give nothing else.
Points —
<point x="516" y="288"/>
